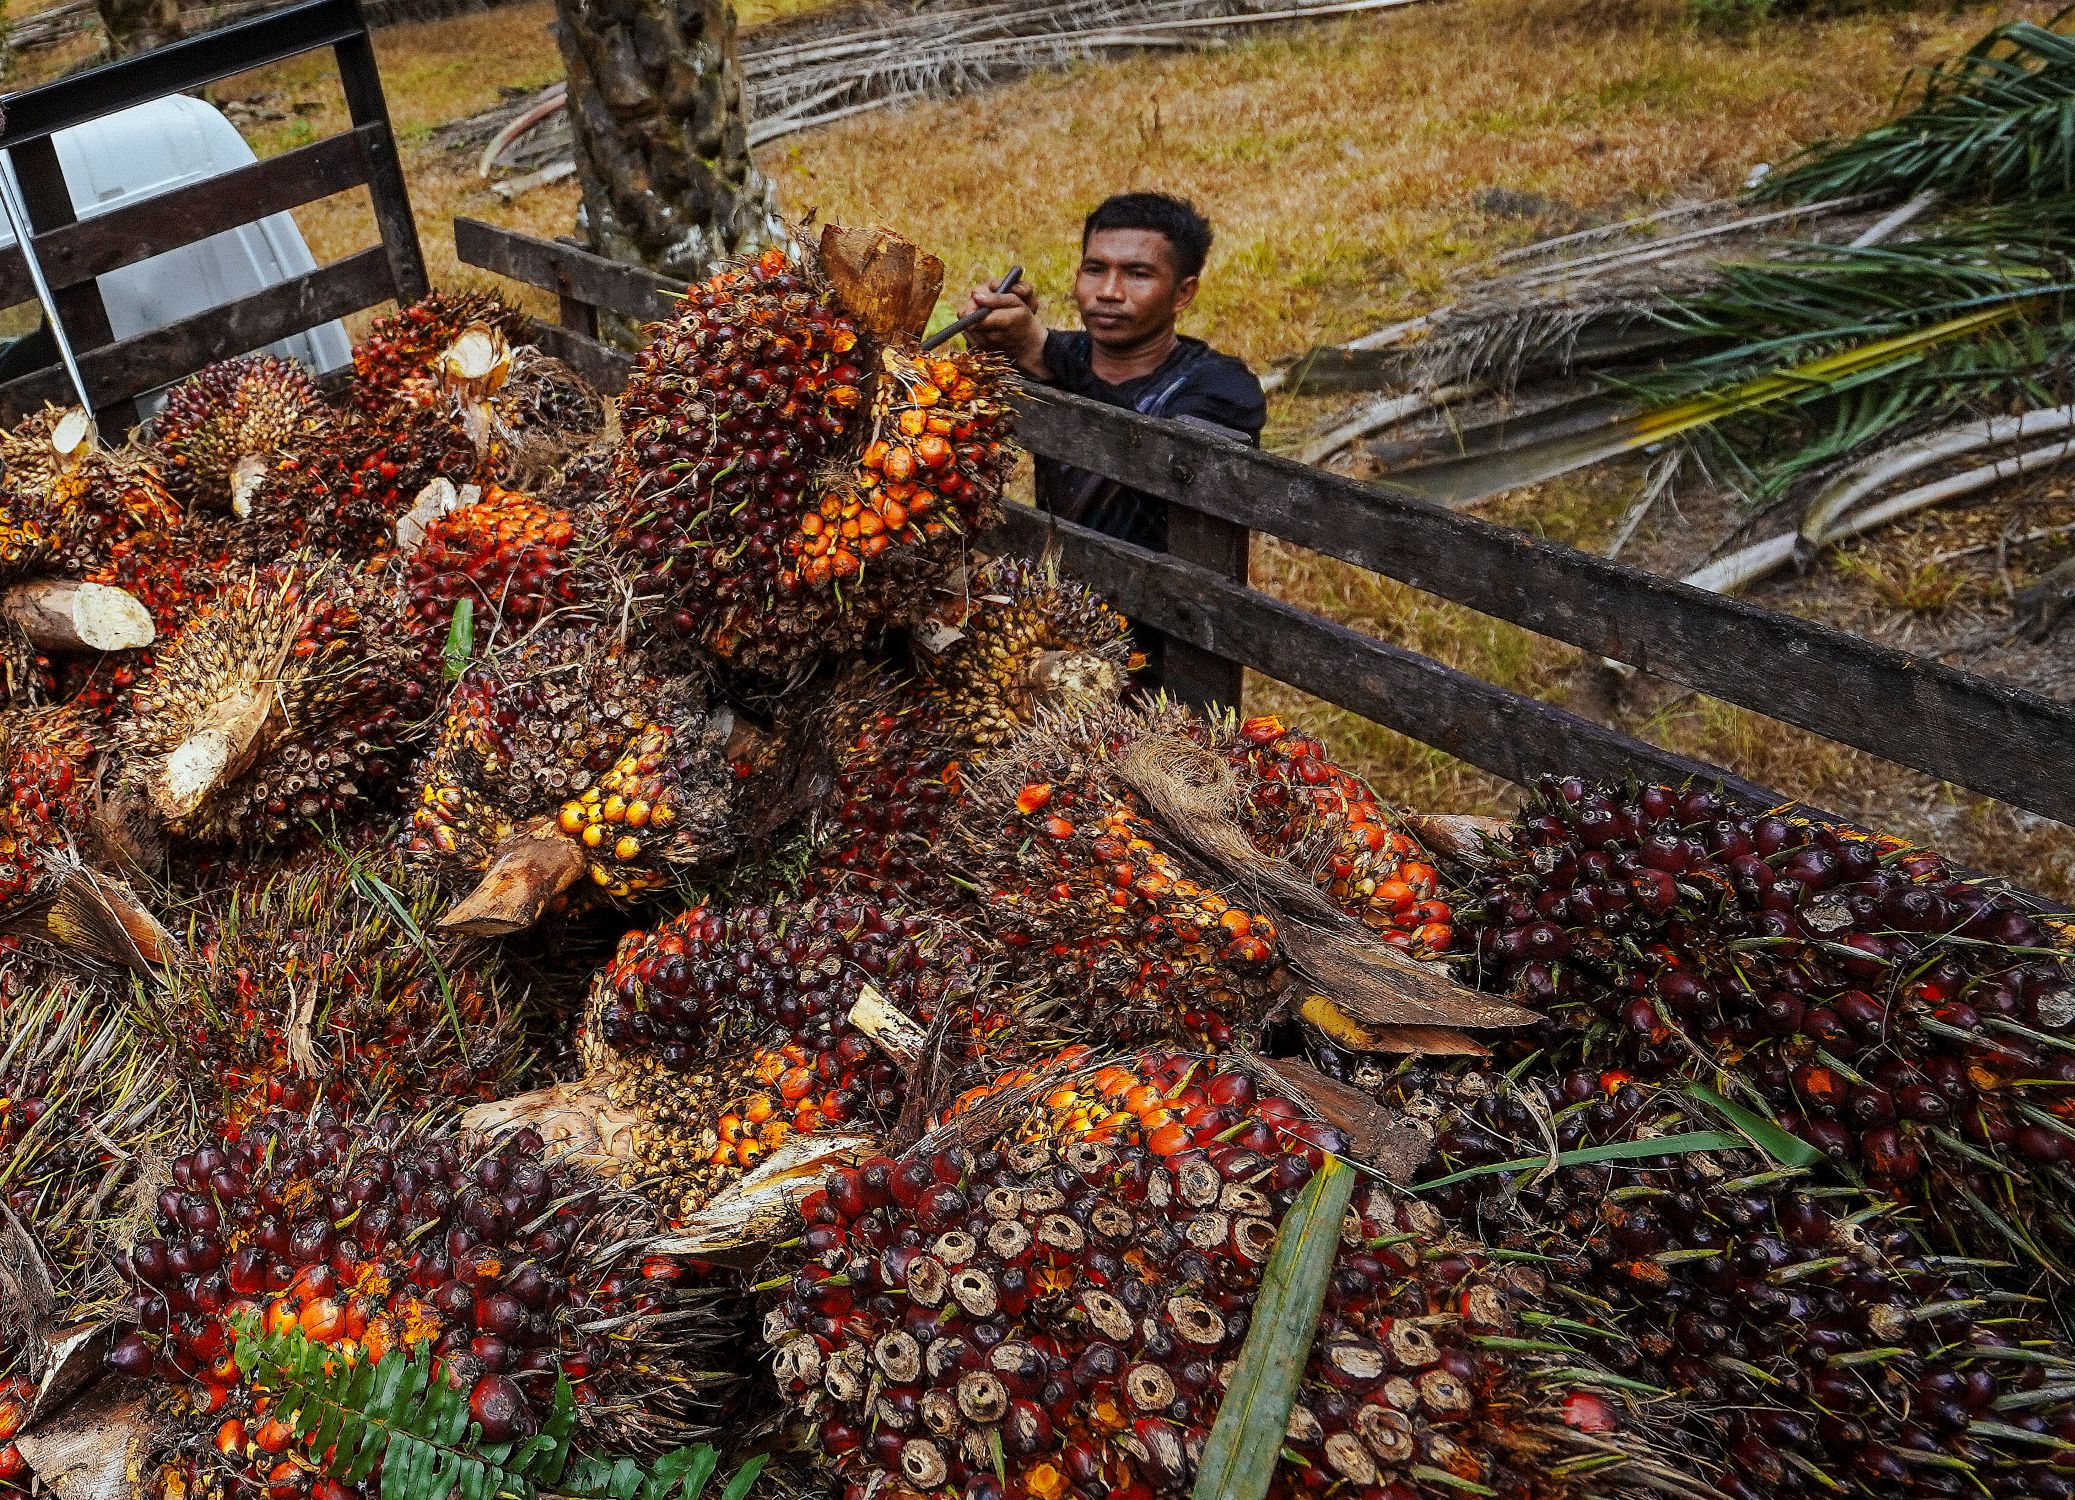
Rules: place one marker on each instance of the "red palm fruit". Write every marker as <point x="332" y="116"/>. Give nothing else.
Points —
<point x="306" y="987"/>
<point x="50" y="758"/>
<point x="344" y="488"/>
<point x="291" y="696"/>
<point x="1912" y="1022"/>
<point x="1059" y="1314"/>
<point x="17" y="1395"/>
<point x="380" y="1239"/>
<point x="403" y="346"/>
<point x="1797" y="1329"/>
<point x="570" y="760"/>
<point x="510" y="555"/>
<point x="224" y="427"/>
<point x="1298" y="803"/>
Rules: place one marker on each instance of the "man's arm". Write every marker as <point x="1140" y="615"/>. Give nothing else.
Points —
<point x="1011" y="327"/>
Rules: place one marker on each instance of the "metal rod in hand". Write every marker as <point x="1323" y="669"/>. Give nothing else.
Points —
<point x="972" y="319"/>
<point x="18" y="221"/>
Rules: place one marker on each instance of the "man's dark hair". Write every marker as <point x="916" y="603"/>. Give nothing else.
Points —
<point x="1163" y="213"/>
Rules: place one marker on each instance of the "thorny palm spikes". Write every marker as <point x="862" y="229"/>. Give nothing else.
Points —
<point x="289" y="697"/>
<point x="321" y="984"/>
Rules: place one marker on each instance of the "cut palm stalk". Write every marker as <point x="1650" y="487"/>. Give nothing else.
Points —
<point x="64" y="614"/>
<point x="895" y="1032"/>
<point x="237" y="732"/>
<point x="526" y="874"/>
<point x="1461" y="837"/>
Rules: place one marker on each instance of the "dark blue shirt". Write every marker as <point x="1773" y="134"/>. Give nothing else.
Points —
<point x="1194" y="381"/>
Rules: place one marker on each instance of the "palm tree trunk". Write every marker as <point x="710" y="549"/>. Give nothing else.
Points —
<point x="139" y="25"/>
<point x="655" y="103"/>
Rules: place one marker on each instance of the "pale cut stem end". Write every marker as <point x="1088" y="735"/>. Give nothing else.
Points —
<point x="1459" y="837"/>
<point x="246" y="476"/>
<point x="892" y="1029"/>
<point x="62" y="614"/>
<point x="525" y="876"/>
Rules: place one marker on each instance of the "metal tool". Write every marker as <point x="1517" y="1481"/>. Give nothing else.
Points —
<point x="18" y="221"/>
<point x="951" y="331"/>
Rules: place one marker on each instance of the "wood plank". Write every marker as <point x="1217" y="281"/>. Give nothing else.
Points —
<point x="1503" y="732"/>
<point x="1997" y="739"/>
<point x="1202" y="679"/>
<point x="361" y="81"/>
<point x="567" y="271"/>
<point x="177" y="68"/>
<point x="151" y="226"/>
<point x="150" y="360"/>
<point x="602" y="365"/>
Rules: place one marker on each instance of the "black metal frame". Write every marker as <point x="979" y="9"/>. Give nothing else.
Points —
<point x="124" y="370"/>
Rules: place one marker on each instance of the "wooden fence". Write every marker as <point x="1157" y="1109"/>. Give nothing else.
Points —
<point x="74" y="251"/>
<point x="1996" y="739"/>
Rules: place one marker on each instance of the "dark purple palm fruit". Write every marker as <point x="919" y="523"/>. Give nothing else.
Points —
<point x="1797" y="1331"/>
<point x="1044" y="1297"/>
<point x="1914" y="1024"/>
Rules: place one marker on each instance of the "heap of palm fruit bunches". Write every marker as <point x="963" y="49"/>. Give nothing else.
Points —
<point x="539" y="931"/>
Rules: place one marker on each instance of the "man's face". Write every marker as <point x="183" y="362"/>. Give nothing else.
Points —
<point x="1127" y="287"/>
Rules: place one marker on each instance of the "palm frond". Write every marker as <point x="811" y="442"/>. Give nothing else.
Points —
<point x="1996" y="124"/>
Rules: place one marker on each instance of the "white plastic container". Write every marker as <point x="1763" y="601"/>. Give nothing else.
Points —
<point x="157" y="147"/>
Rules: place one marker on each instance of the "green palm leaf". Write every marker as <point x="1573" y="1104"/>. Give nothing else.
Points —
<point x="1996" y="124"/>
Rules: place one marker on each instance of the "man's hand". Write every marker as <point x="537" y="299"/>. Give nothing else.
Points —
<point x="1011" y="327"/>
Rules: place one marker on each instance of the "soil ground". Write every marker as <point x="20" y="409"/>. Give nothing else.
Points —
<point x="1344" y="164"/>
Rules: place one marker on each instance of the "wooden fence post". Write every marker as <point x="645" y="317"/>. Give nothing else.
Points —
<point x="1201" y="679"/>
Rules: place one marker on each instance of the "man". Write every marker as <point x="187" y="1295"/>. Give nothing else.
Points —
<point x="1142" y="258"/>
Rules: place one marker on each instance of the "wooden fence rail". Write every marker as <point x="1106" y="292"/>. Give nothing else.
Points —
<point x="1996" y="739"/>
<point x="74" y="251"/>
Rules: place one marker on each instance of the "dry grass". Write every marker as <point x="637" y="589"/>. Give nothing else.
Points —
<point x="1340" y="162"/>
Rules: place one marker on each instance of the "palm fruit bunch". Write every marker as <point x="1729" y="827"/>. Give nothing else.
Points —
<point x="401" y="349"/>
<point x="572" y="758"/>
<point x="1044" y="1297"/>
<point x="512" y="1267"/>
<point x="527" y="412"/>
<point x="86" y="500"/>
<point x="308" y="987"/>
<point x="727" y="1032"/>
<point x="1095" y="900"/>
<point x="1014" y="639"/>
<point x="1912" y="1024"/>
<point x="1018" y="637"/>
<point x="782" y="479"/>
<point x="345" y="489"/>
<point x="584" y="481"/>
<point x="1803" y="1342"/>
<point x="895" y="777"/>
<point x="934" y="469"/>
<point x="508" y="554"/>
<point x="1300" y="804"/>
<point x="83" y="1110"/>
<point x="223" y="428"/>
<point x="290" y="696"/>
<point x="51" y="758"/>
